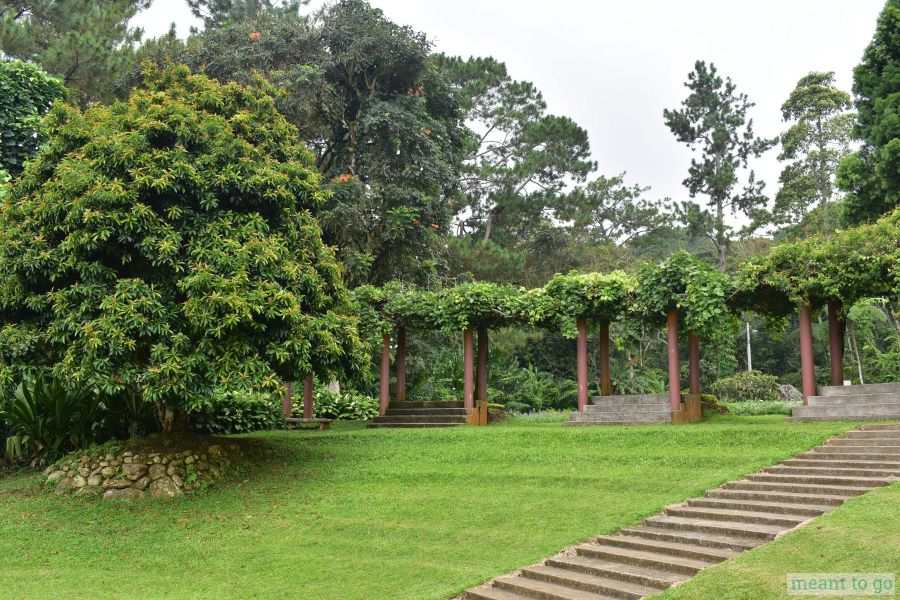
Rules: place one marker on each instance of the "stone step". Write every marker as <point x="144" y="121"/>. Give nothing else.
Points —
<point x="425" y="404"/>
<point x="424" y="411"/>
<point x="707" y="540"/>
<point x="856" y="411"/>
<point x="851" y="399"/>
<point x="489" y="592"/>
<point x="775" y="497"/>
<point x="868" y="388"/>
<point x="887" y="427"/>
<point x="871" y="432"/>
<point x="527" y="587"/>
<point x="411" y="425"/>
<point x="838" y="449"/>
<point x="655" y="560"/>
<point x="861" y="417"/>
<point x="664" y="547"/>
<point x="893" y="442"/>
<point x="825" y="470"/>
<point x="824" y="454"/>
<point x="659" y="399"/>
<point x="843" y="464"/>
<point x="773" y="486"/>
<point x="728" y="528"/>
<point x="618" y="417"/>
<point x="655" y="578"/>
<point x="420" y="419"/>
<point x="637" y="409"/>
<point x="601" y="423"/>
<point x="863" y="482"/>
<point x="808" y="510"/>
<point x="589" y="583"/>
<point x="737" y="516"/>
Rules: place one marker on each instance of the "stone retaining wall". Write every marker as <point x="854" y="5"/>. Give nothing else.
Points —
<point x="132" y="474"/>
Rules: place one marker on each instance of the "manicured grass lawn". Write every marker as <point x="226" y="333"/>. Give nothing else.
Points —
<point x="861" y="536"/>
<point x="378" y="514"/>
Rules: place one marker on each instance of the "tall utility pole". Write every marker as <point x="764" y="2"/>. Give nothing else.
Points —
<point x="749" y="355"/>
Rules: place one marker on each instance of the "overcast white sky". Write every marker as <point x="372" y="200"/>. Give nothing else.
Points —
<point x="614" y="66"/>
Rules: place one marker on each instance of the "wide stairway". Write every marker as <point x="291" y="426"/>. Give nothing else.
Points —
<point x="699" y="533"/>
<point x="624" y="410"/>
<point x="870" y="401"/>
<point x="421" y="414"/>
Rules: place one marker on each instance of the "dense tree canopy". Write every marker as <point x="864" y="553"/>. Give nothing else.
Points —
<point x="26" y="93"/>
<point x="167" y="244"/>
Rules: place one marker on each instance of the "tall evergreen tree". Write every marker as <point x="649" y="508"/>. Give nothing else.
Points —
<point x="88" y="44"/>
<point x="219" y="13"/>
<point x="871" y="176"/>
<point x="813" y="146"/>
<point x="713" y="120"/>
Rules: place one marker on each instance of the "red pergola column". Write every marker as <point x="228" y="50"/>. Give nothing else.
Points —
<point x="807" y="366"/>
<point x="605" y="375"/>
<point x="674" y="364"/>
<point x="468" y="370"/>
<point x="385" y="373"/>
<point x="694" y="363"/>
<point x="308" y="397"/>
<point x="836" y="343"/>
<point x="581" y="349"/>
<point x="401" y="364"/>
<point x="286" y="402"/>
<point x="482" y="364"/>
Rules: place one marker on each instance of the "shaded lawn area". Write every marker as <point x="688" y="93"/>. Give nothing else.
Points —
<point x="376" y="514"/>
<point x="861" y="536"/>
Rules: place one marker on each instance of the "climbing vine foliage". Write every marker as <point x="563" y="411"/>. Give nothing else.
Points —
<point x="167" y="244"/>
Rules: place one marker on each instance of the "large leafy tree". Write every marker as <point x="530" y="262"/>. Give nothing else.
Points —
<point x="167" y="246"/>
<point x="384" y="125"/>
<point x="88" y="44"/>
<point x="813" y="146"/>
<point x="871" y="176"/>
<point x="218" y="13"/>
<point x="26" y="93"/>
<point x="519" y="157"/>
<point x="713" y="121"/>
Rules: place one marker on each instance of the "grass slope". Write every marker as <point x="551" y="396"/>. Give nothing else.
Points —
<point x="377" y="514"/>
<point x="862" y="536"/>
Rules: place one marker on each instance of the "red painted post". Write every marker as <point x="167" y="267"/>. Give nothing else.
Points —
<point x="286" y="403"/>
<point x="468" y="368"/>
<point x="605" y="375"/>
<point x="308" y="397"/>
<point x="401" y="364"/>
<point x="836" y="343"/>
<point x="385" y="373"/>
<point x="694" y="363"/>
<point x="581" y="349"/>
<point x="806" y="353"/>
<point x="674" y="364"/>
<point x="482" y="363"/>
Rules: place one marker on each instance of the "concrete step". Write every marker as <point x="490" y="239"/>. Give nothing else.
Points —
<point x="489" y="592"/>
<point x="737" y="516"/>
<point x="589" y="583"/>
<point x="824" y="470"/>
<point x="658" y="399"/>
<point x="412" y="425"/>
<point x="856" y="411"/>
<point x="776" y="497"/>
<point x="716" y="527"/>
<point x="892" y="434"/>
<point x="868" y="388"/>
<point x="891" y="417"/>
<point x="655" y="560"/>
<point x="425" y="404"/>
<point x="636" y="409"/>
<point x="840" y="449"/>
<point x="391" y="412"/>
<point x="653" y="417"/>
<point x="665" y="547"/>
<point x="654" y="578"/>
<point x="420" y="419"/>
<point x="807" y="510"/>
<point x="865" y="443"/>
<point x="697" y="538"/>
<point x="847" y="399"/>
<point x="824" y="453"/>
<point x="886" y="427"/>
<point x="843" y="464"/>
<point x="863" y="482"/>
<point x="774" y="486"/>
<point x="542" y="590"/>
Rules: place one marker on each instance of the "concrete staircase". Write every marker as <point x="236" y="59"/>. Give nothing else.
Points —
<point x="686" y="538"/>
<point x="870" y="401"/>
<point x="421" y="414"/>
<point x="624" y="410"/>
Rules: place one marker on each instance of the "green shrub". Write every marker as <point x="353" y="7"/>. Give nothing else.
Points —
<point x="228" y="412"/>
<point x="336" y="405"/>
<point x="766" y="407"/>
<point x="46" y="418"/>
<point x="747" y="386"/>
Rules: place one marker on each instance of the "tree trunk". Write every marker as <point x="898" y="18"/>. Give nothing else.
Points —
<point x="171" y="419"/>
